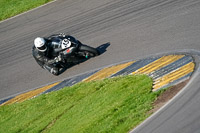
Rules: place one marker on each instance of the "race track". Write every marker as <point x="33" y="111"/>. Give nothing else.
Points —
<point x="127" y="29"/>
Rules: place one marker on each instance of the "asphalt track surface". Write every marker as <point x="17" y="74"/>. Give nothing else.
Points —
<point x="122" y="30"/>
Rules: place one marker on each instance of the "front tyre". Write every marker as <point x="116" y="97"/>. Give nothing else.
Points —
<point x="89" y="51"/>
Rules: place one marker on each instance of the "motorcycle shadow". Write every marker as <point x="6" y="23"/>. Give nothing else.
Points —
<point x="102" y="49"/>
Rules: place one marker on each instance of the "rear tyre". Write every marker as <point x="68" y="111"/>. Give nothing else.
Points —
<point x="89" y="51"/>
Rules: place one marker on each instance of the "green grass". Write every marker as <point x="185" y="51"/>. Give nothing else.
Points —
<point x="110" y="105"/>
<point x="9" y="8"/>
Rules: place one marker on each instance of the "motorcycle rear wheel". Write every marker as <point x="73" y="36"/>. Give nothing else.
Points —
<point x="90" y="51"/>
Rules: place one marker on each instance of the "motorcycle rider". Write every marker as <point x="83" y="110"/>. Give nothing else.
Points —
<point x="42" y="53"/>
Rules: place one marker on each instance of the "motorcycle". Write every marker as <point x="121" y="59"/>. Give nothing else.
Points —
<point x="71" y="50"/>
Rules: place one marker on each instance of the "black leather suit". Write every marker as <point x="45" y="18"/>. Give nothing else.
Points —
<point x="47" y="59"/>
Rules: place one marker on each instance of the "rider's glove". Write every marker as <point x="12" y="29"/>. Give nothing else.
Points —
<point x="62" y="34"/>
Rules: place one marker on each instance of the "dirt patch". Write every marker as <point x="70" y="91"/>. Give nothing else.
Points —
<point x="167" y="95"/>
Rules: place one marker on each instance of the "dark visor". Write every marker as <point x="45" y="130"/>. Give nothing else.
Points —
<point x="42" y="48"/>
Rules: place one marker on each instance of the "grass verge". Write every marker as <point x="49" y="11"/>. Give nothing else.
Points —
<point x="11" y="8"/>
<point x="110" y="105"/>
